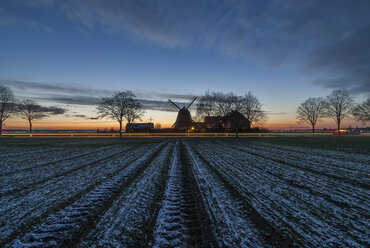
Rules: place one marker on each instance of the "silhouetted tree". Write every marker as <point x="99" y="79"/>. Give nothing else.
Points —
<point x="134" y="111"/>
<point x="121" y="105"/>
<point x="220" y="104"/>
<point x="224" y="102"/>
<point x="216" y="103"/>
<point x="205" y="105"/>
<point x="251" y="107"/>
<point x="338" y="105"/>
<point x="30" y="110"/>
<point x="311" y="110"/>
<point x="362" y="111"/>
<point x="6" y="105"/>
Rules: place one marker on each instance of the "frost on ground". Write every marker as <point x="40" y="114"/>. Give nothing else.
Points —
<point x="124" y="221"/>
<point x="181" y="193"/>
<point x="61" y="226"/>
<point x="171" y="227"/>
<point x="231" y="225"/>
<point x="314" y="208"/>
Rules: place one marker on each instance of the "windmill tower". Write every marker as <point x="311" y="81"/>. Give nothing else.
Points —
<point x="183" y="120"/>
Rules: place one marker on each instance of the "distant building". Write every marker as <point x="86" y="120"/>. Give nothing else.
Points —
<point x="139" y="127"/>
<point x="213" y="122"/>
<point x="236" y="120"/>
<point x="229" y="123"/>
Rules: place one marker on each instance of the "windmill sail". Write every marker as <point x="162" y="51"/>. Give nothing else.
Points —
<point x="191" y="103"/>
<point x="174" y="104"/>
<point x="183" y="121"/>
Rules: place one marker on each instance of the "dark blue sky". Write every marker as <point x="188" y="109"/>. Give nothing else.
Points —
<point x="59" y="52"/>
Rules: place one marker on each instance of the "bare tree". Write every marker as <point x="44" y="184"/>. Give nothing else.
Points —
<point x="311" y="110"/>
<point x="6" y="105"/>
<point x="362" y="111"/>
<point x="220" y="104"/>
<point x="205" y="105"/>
<point x="338" y="105"/>
<point x="121" y="105"/>
<point x="216" y="103"/>
<point x="134" y="111"/>
<point x="251" y="107"/>
<point x="30" y="111"/>
<point x="224" y="103"/>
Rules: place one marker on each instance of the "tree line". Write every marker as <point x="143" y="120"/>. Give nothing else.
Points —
<point x="220" y="104"/>
<point x="337" y="106"/>
<point x="124" y="105"/>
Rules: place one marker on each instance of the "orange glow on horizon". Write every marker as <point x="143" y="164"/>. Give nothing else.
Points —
<point x="169" y="134"/>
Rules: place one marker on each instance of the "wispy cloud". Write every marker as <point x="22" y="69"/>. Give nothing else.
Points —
<point x="67" y="95"/>
<point x="276" y="113"/>
<point x="268" y="32"/>
<point x="54" y="110"/>
<point x="345" y="63"/>
<point x="10" y="20"/>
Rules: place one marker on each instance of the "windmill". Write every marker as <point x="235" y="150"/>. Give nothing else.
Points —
<point x="183" y="120"/>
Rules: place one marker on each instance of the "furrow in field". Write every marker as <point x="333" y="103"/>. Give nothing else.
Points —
<point x="357" y="179"/>
<point x="348" y="169"/>
<point x="20" y="161"/>
<point x="12" y="163"/>
<point x="341" y="157"/>
<point x="11" y="170"/>
<point x="230" y="220"/>
<point x="66" y="225"/>
<point x="38" y="176"/>
<point x="129" y="220"/>
<point x="171" y="229"/>
<point x="18" y="212"/>
<point x="290" y="208"/>
<point x="316" y="183"/>
<point x="17" y="152"/>
<point x="178" y="223"/>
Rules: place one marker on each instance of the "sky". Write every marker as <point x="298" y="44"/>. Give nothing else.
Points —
<point x="69" y="54"/>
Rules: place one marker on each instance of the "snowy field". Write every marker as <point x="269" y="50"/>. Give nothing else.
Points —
<point x="190" y="192"/>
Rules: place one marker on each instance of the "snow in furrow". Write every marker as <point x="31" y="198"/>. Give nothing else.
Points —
<point x="310" y="214"/>
<point x="19" y="168"/>
<point x="231" y="225"/>
<point x="25" y="180"/>
<point x="61" y="226"/>
<point x="24" y="207"/>
<point x="171" y="229"/>
<point x="16" y="159"/>
<point x="123" y="223"/>
<point x="10" y="163"/>
<point x="355" y="172"/>
<point x="341" y="157"/>
<point x="313" y="212"/>
<point x="317" y="184"/>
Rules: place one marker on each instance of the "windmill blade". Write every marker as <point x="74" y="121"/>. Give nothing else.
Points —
<point x="174" y="104"/>
<point x="191" y="103"/>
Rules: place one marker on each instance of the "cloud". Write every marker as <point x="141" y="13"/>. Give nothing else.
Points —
<point x="276" y="113"/>
<point x="72" y="100"/>
<point x="345" y="63"/>
<point x="52" y="87"/>
<point x="54" y="110"/>
<point x="85" y="117"/>
<point x="91" y="97"/>
<point x="10" y="20"/>
<point x="270" y="33"/>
